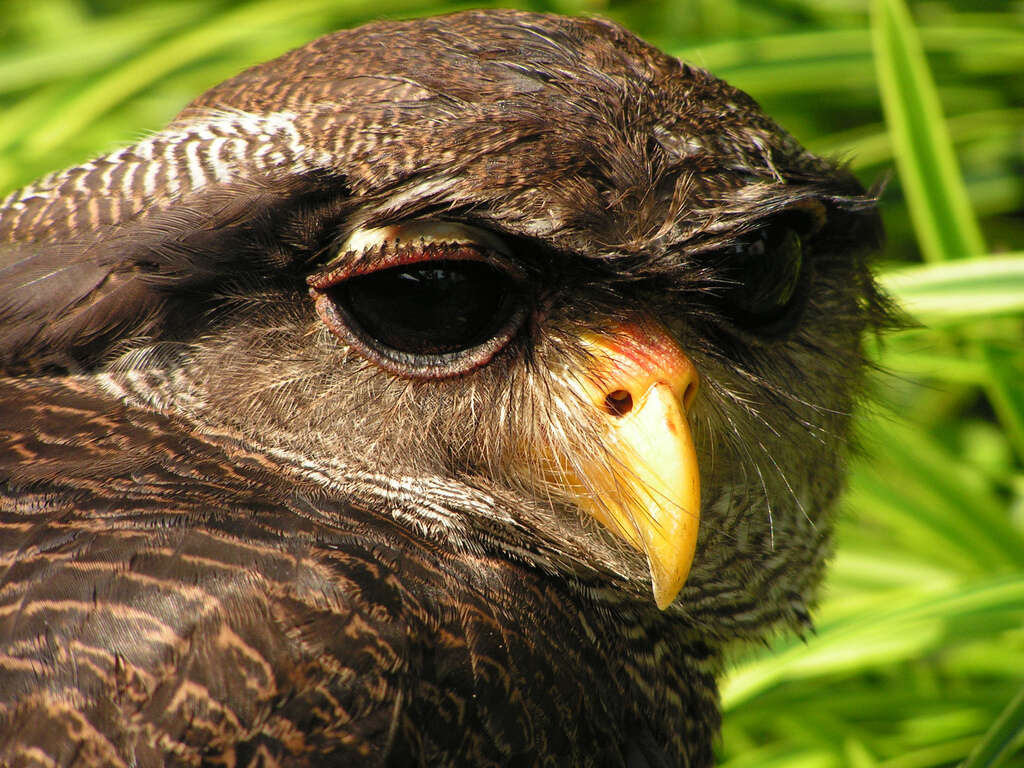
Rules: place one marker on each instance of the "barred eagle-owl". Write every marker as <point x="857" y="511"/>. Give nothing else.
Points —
<point x="445" y="392"/>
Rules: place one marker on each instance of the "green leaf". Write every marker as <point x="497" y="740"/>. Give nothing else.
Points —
<point x="938" y="201"/>
<point x="1005" y="391"/>
<point x="959" y="291"/>
<point x="902" y="626"/>
<point x="995" y="745"/>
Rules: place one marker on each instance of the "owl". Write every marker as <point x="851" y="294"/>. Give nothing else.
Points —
<point x="456" y="391"/>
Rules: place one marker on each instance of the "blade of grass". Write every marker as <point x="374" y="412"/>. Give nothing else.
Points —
<point x="1005" y="392"/>
<point x="996" y="743"/>
<point x="127" y="32"/>
<point x="1001" y="45"/>
<point x="898" y="629"/>
<point x="962" y="291"/>
<point x="869" y="145"/>
<point x="937" y="489"/>
<point x="945" y="367"/>
<point x="938" y="201"/>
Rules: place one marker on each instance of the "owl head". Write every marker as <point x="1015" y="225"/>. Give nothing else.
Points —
<point x="523" y="282"/>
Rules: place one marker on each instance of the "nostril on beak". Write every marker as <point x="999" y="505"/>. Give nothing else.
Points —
<point x="619" y="402"/>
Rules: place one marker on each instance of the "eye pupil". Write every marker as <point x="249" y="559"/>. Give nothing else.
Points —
<point x="431" y="308"/>
<point x="764" y="275"/>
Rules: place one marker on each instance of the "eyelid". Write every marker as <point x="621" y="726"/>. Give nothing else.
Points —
<point x="370" y="250"/>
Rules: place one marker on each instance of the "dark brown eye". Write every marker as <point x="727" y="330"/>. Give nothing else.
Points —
<point x="430" y="308"/>
<point x="424" y="300"/>
<point x="763" y="273"/>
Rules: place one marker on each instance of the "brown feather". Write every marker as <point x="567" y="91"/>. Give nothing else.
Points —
<point x="227" y="537"/>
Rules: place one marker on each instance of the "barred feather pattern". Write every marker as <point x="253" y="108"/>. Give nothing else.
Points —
<point x="162" y="168"/>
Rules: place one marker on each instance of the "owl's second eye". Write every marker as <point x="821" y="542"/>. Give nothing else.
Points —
<point x="764" y="274"/>
<point x="441" y="310"/>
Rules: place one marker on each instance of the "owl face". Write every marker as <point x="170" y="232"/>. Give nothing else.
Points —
<point x="586" y="303"/>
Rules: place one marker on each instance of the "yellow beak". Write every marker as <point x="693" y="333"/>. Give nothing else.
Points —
<point x="649" y="492"/>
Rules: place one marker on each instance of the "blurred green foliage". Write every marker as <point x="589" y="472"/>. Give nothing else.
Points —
<point x="919" y="654"/>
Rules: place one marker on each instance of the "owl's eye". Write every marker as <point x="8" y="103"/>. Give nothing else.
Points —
<point x="764" y="274"/>
<point x="434" y="308"/>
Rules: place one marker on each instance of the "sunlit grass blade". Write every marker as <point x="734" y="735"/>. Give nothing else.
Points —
<point x="960" y="291"/>
<point x="868" y="145"/>
<point x="938" y="201"/>
<point x="902" y="625"/>
<point x="63" y="57"/>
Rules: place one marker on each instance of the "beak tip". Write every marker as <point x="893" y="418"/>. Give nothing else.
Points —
<point x="666" y="588"/>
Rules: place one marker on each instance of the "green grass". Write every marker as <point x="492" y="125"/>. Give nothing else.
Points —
<point x="918" y="659"/>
